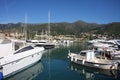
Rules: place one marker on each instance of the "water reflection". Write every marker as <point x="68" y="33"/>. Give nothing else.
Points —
<point x="29" y="73"/>
<point x="93" y="74"/>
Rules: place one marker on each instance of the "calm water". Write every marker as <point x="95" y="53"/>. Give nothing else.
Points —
<point x="55" y="66"/>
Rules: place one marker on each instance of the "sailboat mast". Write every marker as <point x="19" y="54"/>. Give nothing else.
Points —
<point x="49" y="24"/>
<point x="25" y="27"/>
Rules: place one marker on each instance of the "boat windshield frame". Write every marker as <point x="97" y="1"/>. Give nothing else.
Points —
<point x="83" y="53"/>
<point x="24" y="49"/>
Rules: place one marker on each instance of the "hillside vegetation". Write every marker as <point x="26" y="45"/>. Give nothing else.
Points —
<point x="65" y="28"/>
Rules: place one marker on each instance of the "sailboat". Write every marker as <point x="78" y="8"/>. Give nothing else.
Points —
<point x="17" y="55"/>
<point x="46" y="43"/>
<point x="49" y="44"/>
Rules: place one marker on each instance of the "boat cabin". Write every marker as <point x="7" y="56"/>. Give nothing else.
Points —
<point x="83" y="52"/>
<point x="10" y="46"/>
<point x="89" y="54"/>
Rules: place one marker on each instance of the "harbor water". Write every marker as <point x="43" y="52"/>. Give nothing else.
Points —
<point x="55" y="65"/>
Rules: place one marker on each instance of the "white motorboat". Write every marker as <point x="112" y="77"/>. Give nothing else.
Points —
<point x="103" y="45"/>
<point x="88" y="58"/>
<point x="16" y="56"/>
<point x="108" y="43"/>
<point x="96" y="41"/>
<point x="45" y="43"/>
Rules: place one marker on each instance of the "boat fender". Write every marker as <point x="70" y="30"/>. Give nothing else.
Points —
<point x="71" y="58"/>
<point x="75" y="59"/>
<point x="69" y="52"/>
<point x="83" y="61"/>
<point x="68" y="56"/>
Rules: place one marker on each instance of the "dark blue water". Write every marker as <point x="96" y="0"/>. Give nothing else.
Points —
<point x="55" y="65"/>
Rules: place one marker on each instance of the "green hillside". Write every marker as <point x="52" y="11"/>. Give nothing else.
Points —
<point x="65" y="28"/>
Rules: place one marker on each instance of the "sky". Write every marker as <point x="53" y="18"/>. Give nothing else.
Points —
<point x="91" y="11"/>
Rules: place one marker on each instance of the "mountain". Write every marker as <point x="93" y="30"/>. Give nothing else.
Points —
<point x="111" y="28"/>
<point x="66" y="28"/>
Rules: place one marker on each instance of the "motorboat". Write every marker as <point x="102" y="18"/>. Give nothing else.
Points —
<point x="44" y="43"/>
<point x="103" y="44"/>
<point x="96" y="41"/>
<point x="107" y="44"/>
<point x="17" y="55"/>
<point x="88" y="58"/>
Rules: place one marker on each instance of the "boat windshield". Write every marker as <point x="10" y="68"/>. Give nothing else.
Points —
<point x="24" y="49"/>
<point x="118" y="41"/>
<point x="82" y="53"/>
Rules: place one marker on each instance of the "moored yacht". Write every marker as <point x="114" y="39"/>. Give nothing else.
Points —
<point x="44" y="43"/>
<point x="16" y="55"/>
<point x="88" y="58"/>
<point x="107" y="44"/>
<point x="103" y="44"/>
<point x="96" y="41"/>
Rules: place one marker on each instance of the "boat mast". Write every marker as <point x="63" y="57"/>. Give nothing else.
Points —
<point x="25" y="27"/>
<point x="49" y="25"/>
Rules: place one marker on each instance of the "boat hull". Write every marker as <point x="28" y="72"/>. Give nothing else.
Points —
<point x="97" y="63"/>
<point x="20" y="64"/>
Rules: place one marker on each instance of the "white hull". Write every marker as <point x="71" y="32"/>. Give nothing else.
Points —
<point x="101" y="45"/>
<point x="11" y="68"/>
<point x="96" y="63"/>
<point x="17" y="62"/>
